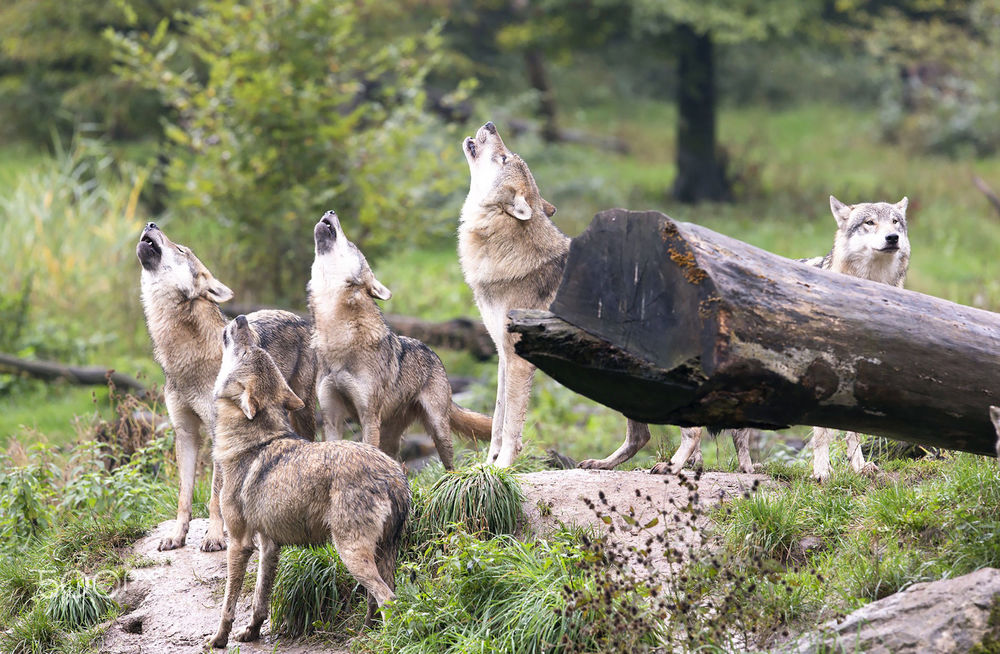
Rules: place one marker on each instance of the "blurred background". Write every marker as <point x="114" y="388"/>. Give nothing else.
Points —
<point x="235" y="125"/>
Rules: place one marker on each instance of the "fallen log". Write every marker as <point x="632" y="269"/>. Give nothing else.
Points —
<point x="460" y="334"/>
<point x="82" y="375"/>
<point x="673" y="323"/>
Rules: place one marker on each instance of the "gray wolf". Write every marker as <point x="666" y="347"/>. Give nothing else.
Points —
<point x="180" y="299"/>
<point x="281" y="489"/>
<point x="995" y="417"/>
<point x="513" y="256"/>
<point x="365" y="371"/>
<point x="871" y="242"/>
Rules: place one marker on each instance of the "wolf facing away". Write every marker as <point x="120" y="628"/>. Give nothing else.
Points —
<point x="871" y="242"/>
<point x="180" y="300"/>
<point x="367" y="372"/>
<point x="281" y="489"/>
<point x="513" y="256"/>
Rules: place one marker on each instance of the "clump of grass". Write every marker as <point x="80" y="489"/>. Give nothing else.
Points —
<point x="31" y="633"/>
<point x="20" y="580"/>
<point x="311" y="590"/>
<point x="76" y="602"/>
<point x="483" y="499"/>
<point x="93" y="543"/>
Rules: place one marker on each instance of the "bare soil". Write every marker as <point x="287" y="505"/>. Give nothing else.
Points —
<point x="173" y="604"/>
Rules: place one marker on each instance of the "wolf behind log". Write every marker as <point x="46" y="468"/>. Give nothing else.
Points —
<point x="180" y="299"/>
<point x="281" y="489"/>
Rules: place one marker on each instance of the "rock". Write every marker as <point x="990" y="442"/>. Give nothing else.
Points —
<point x="940" y="617"/>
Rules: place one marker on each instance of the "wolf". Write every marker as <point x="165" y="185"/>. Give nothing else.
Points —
<point x="512" y="256"/>
<point x="871" y="242"/>
<point x="367" y="372"/>
<point x="995" y="419"/>
<point x="281" y="489"/>
<point x="180" y="300"/>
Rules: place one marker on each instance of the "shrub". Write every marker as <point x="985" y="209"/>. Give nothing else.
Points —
<point x="306" y="592"/>
<point x="482" y="499"/>
<point x="312" y="112"/>
<point x="76" y="602"/>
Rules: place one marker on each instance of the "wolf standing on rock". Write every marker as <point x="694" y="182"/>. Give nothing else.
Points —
<point x="281" y="489"/>
<point x="180" y="299"/>
<point x="513" y="257"/>
<point x="366" y="372"/>
<point x="871" y="243"/>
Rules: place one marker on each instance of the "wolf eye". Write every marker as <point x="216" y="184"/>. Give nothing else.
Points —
<point x="895" y="221"/>
<point x="503" y="158"/>
<point x="869" y="222"/>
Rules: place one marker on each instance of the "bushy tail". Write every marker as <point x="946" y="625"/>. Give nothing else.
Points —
<point x="471" y="425"/>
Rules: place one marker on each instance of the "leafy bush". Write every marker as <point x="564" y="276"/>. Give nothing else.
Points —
<point x="291" y="108"/>
<point x="306" y="593"/>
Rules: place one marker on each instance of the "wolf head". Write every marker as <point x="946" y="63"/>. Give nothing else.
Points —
<point x="501" y="179"/>
<point x="248" y="376"/>
<point x="339" y="265"/>
<point x="871" y="240"/>
<point x="173" y="270"/>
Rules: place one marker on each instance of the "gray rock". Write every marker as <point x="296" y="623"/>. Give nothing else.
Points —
<point x="950" y="615"/>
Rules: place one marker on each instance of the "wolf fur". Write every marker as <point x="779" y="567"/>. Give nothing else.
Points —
<point x="871" y="242"/>
<point x="366" y="372"/>
<point x="995" y="419"/>
<point x="180" y="300"/>
<point x="513" y="257"/>
<point x="281" y="489"/>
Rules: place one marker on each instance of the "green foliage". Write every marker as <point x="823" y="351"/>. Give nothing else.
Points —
<point x="33" y="632"/>
<point x="307" y="595"/>
<point x="482" y="499"/>
<point x="91" y="543"/>
<point x="290" y="109"/>
<point x="76" y="602"/>
<point x="55" y="68"/>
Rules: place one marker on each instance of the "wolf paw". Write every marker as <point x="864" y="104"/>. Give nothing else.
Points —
<point x="248" y="634"/>
<point x="172" y="543"/>
<point x="593" y="464"/>
<point x="216" y="641"/>
<point x="662" y="468"/>
<point x="213" y="544"/>
<point x="869" y="470"/>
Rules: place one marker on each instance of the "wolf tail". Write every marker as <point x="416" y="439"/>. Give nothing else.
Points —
<point x="471" y="425"/>
<point x="393" y="530"/>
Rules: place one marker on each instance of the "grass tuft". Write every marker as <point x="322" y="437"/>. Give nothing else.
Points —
<point x="483" y="499"/>
<point x="77" y="602"/>
<point x="306" y="594"/>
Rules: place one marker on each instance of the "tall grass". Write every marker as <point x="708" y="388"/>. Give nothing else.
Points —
<point x="482" y="499"/>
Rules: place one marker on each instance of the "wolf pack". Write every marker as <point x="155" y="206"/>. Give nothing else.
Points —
<point x="252" y="384"/>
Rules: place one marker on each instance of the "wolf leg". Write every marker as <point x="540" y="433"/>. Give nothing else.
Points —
<point x="636" y="437"/>
<point x="215" y="537"/>
<point x="857" y="457"/>
<point x="690" y="443"/>
<point x="741" y="439"/>
<point x="239" y="554"/>
<point x="267" y="565"/>
<point x="187" y="442"/>
<point x="821" y="453"/>
<point x="496" y="432"/>
<point x="331" y="405"/>
<point x="359" y="558"/>
<point x="519" y="376"/>
<point x="438" y="424"/>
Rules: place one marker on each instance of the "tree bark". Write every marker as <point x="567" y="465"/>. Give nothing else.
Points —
<point x="700" y="173"/>
<point x="52" y="370"/>
<point x="539" y="80"/>
<point x="673" y="323"/>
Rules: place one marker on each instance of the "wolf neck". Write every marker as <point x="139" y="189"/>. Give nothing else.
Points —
<point x="878" y="267"/>
<point x="345" y="317"/>
<point x="235" y="435"/>
<point x="186" y="333"/>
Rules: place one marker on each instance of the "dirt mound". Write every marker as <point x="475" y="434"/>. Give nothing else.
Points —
<point x="173" y="604"/>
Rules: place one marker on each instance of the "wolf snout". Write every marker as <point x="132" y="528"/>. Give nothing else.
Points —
<point x="490" y="127"/>
<point x="892" y="239"/>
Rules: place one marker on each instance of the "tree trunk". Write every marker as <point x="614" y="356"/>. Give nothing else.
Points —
<point x="673" y="323"/>
<point x="539" y="80"/>
<point x="53" y="370"/>
<point x="700" y="173"/>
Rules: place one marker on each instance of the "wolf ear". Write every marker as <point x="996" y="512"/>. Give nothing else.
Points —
<point x="519" y="208"/>
<point x="902" y="204"/>
<point x="247" y="402"/>
<point x="377" y="290"/>
<point x="840" y="210"/>
<point x="548" y="208"/>
<point x="292" y="402"/>
<point x="216" y="290"/>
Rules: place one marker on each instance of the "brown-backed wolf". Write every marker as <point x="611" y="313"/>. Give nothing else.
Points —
<point x="513" y="257"/>
<point x="365" y="371"/>
<point x="871" y="242"/>
<point x="281" y="489"/>
<point x="180" y="300"/>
